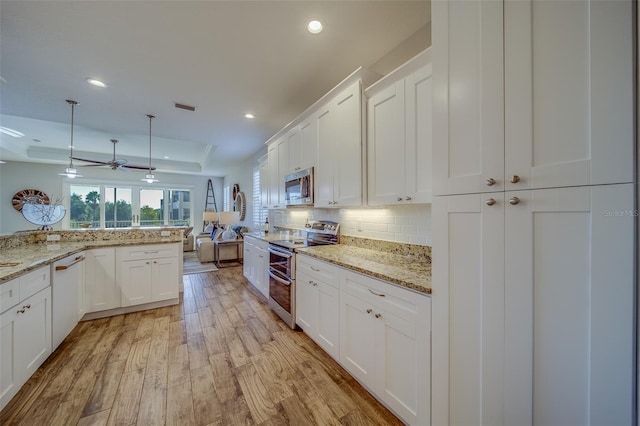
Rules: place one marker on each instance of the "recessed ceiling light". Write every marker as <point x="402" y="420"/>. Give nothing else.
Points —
<point x="97" y="83"/>
<point x="166" y="157"/>
<point x="2" y="162"/>
<point x="249" y="115"/>
<point x="11" y="132"/>
<point x="314" y="27"/>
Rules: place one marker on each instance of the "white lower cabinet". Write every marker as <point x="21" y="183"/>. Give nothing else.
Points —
<point x="379" y="332"/>
<point x="147" y="273"/>
<point x="256" y="264"/>
<point x="101" y="290"/>
<point x="318" y="303"/>
<point x="385" y="337"/>
<point x="25" y="336"/>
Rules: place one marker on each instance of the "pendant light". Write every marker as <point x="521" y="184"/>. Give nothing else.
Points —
<point x="149" y="177"/>
<point x="71" y="171"/>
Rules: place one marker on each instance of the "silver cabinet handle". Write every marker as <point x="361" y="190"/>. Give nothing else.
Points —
<point x="408" y="198"/>
<point x="26" y="306"/>
<point x="314" y="269"/>
<point x="378" y="315"/>
<point x="150" y="252"/>
<point x="148" y="263"/>
<point x="490" y="202"/>
<point x="399" y="199"/>
<point x="20" y="311"/>
<point x="513" y="201"/>
<point x="377" y="294"/>
<point x="490" y="182"/>
<point x="369" y="311"/>
<point x="515" y="179"/>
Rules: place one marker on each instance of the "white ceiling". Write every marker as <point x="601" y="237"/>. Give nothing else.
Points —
<point x="224" y="57"/>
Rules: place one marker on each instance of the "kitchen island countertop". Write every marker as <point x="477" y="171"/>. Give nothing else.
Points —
<point x="28" y="257"/>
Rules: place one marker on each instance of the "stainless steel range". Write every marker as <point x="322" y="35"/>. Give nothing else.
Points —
<point x="282" y="266"/>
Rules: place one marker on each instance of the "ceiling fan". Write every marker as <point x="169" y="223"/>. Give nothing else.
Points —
<point x="119" y="164"/>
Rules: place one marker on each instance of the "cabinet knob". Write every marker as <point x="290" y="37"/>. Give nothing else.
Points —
<point x="514" y="200"/>
<point x="21" y="311"/>
<point x="27" y="306"/>
<point x="399" y="199"/>
<point x="515" y="179"/>
<point x="378" y="315"/>
<point x="148" y="263"/>
<point x="490" y="201"/>
<point x="491" y="182"/>
<point x="369" y="311"/>
<point x="408" y="198"/>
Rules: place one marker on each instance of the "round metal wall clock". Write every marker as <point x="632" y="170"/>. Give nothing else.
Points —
<point x="32" y="196"/>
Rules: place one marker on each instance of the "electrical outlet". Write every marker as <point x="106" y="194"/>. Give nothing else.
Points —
<point x="53" y="237"/>
<point x="165" y="233"/>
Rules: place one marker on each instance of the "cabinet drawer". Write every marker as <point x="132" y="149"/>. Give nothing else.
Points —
<point x="9" y="294"/>
<point x="400" y="302"/>
<point x="319" y="270"/>
<point x="34" y="281"/>
<point x="154" y="251"/>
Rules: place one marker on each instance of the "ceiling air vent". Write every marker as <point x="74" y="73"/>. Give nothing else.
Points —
<point x="183" y="106"/>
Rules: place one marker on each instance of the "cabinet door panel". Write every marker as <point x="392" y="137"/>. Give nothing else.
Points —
<point x="568" y="103"/>
<point x="164" y="279"/>
<point x="306" y="304"/>
<point x="9" y="376"/>
<point x="348" y="147"/>
<point x="274" y="176"/>
<point x="135" y="282"/>
<point x="357" y="338"/>
<point x="101" y="291"/>
<point x="468" y="96"/>
<point x="328" y="326"/>
<point x="385" y="145"/>
<point x="468" y="309"/>
<point x="569" y="298"/>
<point x="323" y="176"/>
<point x="34" y="331"/>
<point x="418" y="145"/>
<point x="398" y="364"/>
<point x="308" y="143"/>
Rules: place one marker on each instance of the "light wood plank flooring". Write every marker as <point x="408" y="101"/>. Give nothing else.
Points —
<point x="220" y="357"/>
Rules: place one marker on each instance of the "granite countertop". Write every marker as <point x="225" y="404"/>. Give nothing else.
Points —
<point x="405" y="271"/>
<point x="28" y="257"/>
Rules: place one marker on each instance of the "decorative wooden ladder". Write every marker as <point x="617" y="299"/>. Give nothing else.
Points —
<point x="209" y="199"/>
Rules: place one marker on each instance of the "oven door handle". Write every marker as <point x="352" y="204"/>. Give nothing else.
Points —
<point x="280" y="280"/>
<point x="280" y="253"/>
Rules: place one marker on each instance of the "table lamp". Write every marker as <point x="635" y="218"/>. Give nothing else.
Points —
<point x="228" y="219"/>
<point x="209" y="217"/>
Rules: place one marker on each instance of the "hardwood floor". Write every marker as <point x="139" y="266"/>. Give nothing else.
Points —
<point x="220" y="357"/>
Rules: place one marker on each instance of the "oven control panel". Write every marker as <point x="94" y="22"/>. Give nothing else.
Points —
<point x="323" y="227"/>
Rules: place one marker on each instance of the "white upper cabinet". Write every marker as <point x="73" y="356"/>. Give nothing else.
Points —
<point x="303" y="144"/>
<point x="568" y="97"/>
<point x="560" y="115"/>
<point x="338" y="177"/>
<point x="468" y="96"/>
<point x="263" y="166"/>
<point x="399" y="135"/>
<point x="278" y="164"/>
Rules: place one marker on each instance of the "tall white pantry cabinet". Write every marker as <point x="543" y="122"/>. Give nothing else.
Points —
<point x="533" y="214"/>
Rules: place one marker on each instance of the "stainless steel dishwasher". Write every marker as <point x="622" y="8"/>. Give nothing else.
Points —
<point x="67" y="287"/>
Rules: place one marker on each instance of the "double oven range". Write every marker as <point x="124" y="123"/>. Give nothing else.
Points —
<point x="282" y="266"/>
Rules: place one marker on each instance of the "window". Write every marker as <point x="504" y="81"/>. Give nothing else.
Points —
<point x="259" y="214"/>
<point x="226" y="205"/>
<point x="122" y="206"/>
<point x="84" y="206"/>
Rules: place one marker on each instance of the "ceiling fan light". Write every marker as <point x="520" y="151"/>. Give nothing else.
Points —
<point x="149" y="178"/>
<point x="70" y="172"/>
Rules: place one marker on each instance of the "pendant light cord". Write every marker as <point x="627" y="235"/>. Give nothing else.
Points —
<point x="151" y="117"/>
<point x="73" y="104"/>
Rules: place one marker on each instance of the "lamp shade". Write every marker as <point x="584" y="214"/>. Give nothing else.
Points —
<point x="229" y="218"/>
<point x="210" y="216"/>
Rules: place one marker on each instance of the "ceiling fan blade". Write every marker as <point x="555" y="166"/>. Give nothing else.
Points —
<point x="93" y="165"/>
<point x="101" y="163"/>
<point x="132" y="166"/>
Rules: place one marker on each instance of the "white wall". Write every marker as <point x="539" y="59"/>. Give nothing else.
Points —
<point x="15" y="176"/>
<point x="401" y="224"/>
<point x="242" y="174"/>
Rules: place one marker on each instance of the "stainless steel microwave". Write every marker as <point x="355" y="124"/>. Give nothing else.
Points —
<point x="299" y="188"/>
